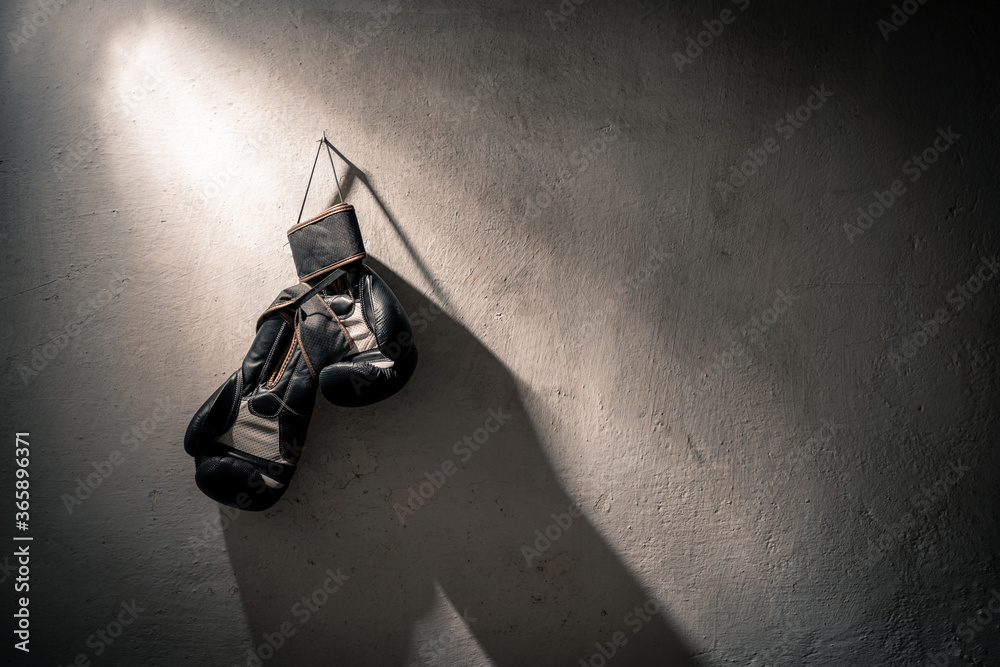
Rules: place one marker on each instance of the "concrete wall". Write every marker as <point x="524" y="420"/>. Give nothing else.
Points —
<point x="772" y="444"/>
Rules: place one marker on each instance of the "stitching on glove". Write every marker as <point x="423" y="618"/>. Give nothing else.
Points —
<point x="338" y="208"/>
<point x="298" y="339"/>
<point x="291" y="349"/>
<point x="276" y="308"/>
<point x="288" y="387"/>
<point x="331" y="267"/>
<point x="367" y="305"/>
<point x="233" y="409"/>
<point x="350" y="341"/>
<point x="287" y="407"/>
<point x="274" y="345"/>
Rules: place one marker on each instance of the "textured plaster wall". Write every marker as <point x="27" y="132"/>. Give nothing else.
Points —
<point x="767" y="446"/>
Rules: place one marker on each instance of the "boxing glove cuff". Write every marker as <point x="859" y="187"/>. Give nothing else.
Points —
<point x="328" y="241"/>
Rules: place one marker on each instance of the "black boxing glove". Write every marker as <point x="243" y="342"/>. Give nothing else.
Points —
<point x="388" y="357"/>
<point x="382" y="356"/>
<point x="247" y="438"/>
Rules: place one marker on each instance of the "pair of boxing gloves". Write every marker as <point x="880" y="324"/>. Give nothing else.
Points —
<point x="340" y="330"/>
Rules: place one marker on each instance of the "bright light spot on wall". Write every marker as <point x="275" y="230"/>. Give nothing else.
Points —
<point x="168" y="99"/>
<point x="211" y="132"/>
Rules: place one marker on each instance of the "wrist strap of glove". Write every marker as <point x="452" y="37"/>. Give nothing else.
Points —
<point x="294" y="304"/>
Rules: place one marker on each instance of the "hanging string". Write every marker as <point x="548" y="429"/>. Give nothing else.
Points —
<point x="315" y="160"/>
